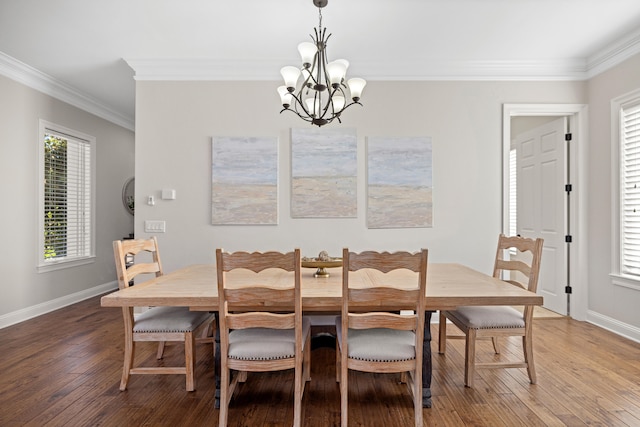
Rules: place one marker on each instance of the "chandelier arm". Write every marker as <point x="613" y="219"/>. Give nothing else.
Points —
<point x="305" y="118"/>
<point x="298" y="102"/>
<point x="350" y="104"/>
<point x="325" y="110"/>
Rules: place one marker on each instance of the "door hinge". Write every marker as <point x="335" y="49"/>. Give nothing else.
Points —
<point x="567" y="238"/>
<point x="568" y="188"/>
<point x="567" y="137"/>
<point x="567" y="289"/>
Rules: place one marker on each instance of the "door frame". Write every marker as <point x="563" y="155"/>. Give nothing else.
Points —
<point x="577" y="178"/>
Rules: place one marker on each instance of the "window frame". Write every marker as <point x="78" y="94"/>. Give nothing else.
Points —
<point x="618" y="276"/>
<point x="42" y="264"/>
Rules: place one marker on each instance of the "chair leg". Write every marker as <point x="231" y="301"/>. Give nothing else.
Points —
<point x="496" y="344"/>
<point x="190" y="359"/>
<point x="129" y="356"/>
<point x="298" y="380"/>
<point x="527" y="344"/>
<point x="404" y="378"/>
<point x="224" y="397"/>
<point x="338" y="362"/>
<point x="344" y="395"/>
<point x="306" y="362"/>
<point x="160" y="350"/>
<point x="417" y="400"/>
<point x="442" y="334"/>
<point x="470" y="357"/>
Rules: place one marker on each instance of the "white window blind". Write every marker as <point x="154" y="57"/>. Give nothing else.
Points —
<point x="66" y="197"/>
<point x="630" y="190"/>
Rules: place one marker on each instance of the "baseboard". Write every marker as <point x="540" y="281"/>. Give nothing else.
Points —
<point x="613" y="325"/>
<point x="49" y="306"/>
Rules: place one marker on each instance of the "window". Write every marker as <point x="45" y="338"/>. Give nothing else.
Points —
<point x="625" y="119"/>
<point x="66" y="214"/>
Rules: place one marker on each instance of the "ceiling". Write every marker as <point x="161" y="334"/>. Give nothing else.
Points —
<point x="90" y="49"/>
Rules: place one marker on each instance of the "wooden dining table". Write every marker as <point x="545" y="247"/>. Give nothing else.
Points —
<point x="448" y="286"/>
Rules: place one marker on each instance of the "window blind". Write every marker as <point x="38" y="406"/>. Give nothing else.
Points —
<point x="67" y="198"/>
<point x="630" y="189"/>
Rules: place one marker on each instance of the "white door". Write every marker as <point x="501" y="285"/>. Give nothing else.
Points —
<point x="541" y="204"/>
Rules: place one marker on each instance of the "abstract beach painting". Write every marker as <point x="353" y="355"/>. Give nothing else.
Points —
<point x="324" y="173"/>
<point x="399" y="182"/>
<point x="244" y="180"/>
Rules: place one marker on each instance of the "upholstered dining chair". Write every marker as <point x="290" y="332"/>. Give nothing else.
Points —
<point x="499" y="321"/>
<point x="158" y="324"/>
<point x="261" y="327"/>
<point x="381" y="342"/>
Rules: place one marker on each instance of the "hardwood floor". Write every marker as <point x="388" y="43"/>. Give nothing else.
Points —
<point x="63" y="369"/>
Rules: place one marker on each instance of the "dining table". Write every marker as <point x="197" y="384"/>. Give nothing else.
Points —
<point x="449" y="285"/>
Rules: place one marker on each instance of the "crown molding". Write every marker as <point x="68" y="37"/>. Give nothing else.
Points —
<point x="267" y="70"/>
<point x="529" y="70"/>
<point x="221" y="70"/>
<point x="29" y="76"/>
<point x="612" y="55"/>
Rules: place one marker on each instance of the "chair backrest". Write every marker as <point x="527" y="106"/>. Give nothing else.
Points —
<point x="252" y="305"/>
<point x="529" y="270"/>
<point x="359" y="304"/>
<point x="134" y="257"/>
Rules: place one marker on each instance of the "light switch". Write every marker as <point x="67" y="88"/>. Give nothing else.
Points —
<point x="154" y="226"/>
<point x="168" y="194"/>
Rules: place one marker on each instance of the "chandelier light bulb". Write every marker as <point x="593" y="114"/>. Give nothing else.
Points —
<point x="313" y="106"/>
<point x="337" y="71"/>
<point x="356" y="85"/>
<point x="338" y="103"/>
<point x="290" y="75"/>
<point x="308" y="52"/>
<point x="285" y="96"/>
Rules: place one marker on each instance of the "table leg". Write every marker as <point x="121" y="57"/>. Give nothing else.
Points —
<point x="426" y="361"/>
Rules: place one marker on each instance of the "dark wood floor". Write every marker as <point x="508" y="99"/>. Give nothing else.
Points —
<point x="63" y="369"/>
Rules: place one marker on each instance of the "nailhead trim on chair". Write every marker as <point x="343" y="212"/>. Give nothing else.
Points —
<point x="169" y="319"/>
<point x="479" y="317"/>
<point x="264" y="343"/>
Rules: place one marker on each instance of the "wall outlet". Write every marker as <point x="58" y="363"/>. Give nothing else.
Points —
<point x="154" y="226"/>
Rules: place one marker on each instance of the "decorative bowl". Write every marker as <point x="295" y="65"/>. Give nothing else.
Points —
<point x="321" y="265"/>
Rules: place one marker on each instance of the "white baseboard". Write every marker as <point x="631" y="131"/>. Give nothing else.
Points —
<point x="48" y="306"/>
<point x="613" y="325"/>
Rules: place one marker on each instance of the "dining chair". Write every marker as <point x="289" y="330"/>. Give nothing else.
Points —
<point x="261" y="326"/>
<point x="381" y="342"/>
<point x="158" y="324"/>
<point x="517" y="262"/>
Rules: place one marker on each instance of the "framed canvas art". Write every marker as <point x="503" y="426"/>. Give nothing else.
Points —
<point x="324" y="172"/>
<point x="399" y="182"/>
<point x="244" y="180"/>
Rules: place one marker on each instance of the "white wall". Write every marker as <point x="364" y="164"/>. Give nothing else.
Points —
<point x="176" y="120"/>
<point x="25" y="292"/>
<point x="609" y="304"/>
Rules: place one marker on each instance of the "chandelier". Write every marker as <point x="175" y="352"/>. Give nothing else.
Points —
<point x="321" y="96"/>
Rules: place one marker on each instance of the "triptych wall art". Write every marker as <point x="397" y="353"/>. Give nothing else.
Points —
<point x="324" y="175"/>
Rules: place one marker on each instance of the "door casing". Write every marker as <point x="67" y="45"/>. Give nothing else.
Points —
<point x="578" y="180"/>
